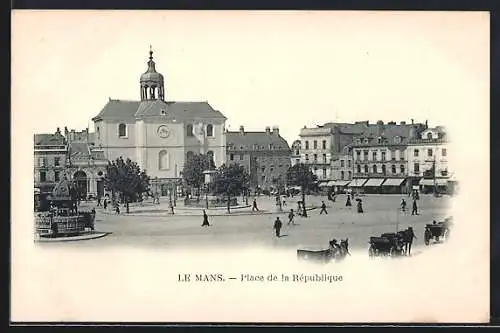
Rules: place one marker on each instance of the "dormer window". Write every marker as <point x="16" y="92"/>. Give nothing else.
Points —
<point x="379" y="140"/>
<point x="122" y="130"/>
<point x="366" y="140"/>
<point x="397" y="139"/>
<point x="429" y="136"/>
<point x="163" y="112"/>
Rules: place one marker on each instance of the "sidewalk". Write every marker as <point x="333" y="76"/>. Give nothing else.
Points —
<point x="93" y="235"/>
<point x="265" y="206"/>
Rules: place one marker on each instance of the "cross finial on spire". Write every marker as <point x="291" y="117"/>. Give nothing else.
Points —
<point x="150" y="52"/>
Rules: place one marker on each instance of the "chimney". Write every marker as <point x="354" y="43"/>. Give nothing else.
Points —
<point x="268" y="130"/>
<point x="380" y="122"/>
<point x="412" y="121"/>
<point x="276" y="130"/>
<point x="426" y="126"/>
<point x="403" y="123"/>
<point x="58" y="131"/>
<point x="242" y="130"/>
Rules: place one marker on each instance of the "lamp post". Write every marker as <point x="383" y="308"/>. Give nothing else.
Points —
<point x="208" y="180"/>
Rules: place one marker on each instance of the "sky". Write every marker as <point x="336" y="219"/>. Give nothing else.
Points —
<point x="286" y="69"/>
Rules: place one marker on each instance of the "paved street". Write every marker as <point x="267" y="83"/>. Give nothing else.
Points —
<point x="163" y="230"/>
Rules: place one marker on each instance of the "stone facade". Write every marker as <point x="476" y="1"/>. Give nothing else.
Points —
<point x="50" y="157"/>
<point x="265" y="156"/>
<point x="159" y="135"/>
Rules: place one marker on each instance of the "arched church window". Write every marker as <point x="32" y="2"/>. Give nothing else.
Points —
<point x="210" y="130"/>
<point x="189" y="130"/>
<point x="163" y="160"/>
<point x="98" y="133"/>
<point x="189" y="155"/>
<point x="122" y="130"/>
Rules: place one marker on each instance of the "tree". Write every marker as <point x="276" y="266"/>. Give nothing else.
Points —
<point x="230" y="181"/>
<point x="192" y="172"/>
<point x="301" y="175"/>
<point x="126" y="178"/>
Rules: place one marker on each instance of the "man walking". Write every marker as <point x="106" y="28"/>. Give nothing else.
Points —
<point x="290" y="217"/>
<point x="205" y="220"/>
<point x="323" y="208"/>
<point x="277" y="226"/>
<point x="409" y="240"/>
<point x="254" y="205"/>
<point x="414" y="210"/>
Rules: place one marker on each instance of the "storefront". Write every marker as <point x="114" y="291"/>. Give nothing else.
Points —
<point x="394" y="186"/>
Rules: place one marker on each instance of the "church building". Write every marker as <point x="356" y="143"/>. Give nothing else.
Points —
<point x="157" y="134"/>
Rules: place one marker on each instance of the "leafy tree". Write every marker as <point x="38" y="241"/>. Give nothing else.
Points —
<point x="126" y="178"/>
<point x="230" y="181"/>
<point x="192" y="172"/>
<point x="301" y="175"/>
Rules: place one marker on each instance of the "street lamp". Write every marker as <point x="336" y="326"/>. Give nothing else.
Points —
<point x="208" y="180"/>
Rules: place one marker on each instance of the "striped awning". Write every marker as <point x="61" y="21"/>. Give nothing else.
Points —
<point x="341" y="182"/>
<point x="358" y="182"/>
<point x="430" y="182"/>
<point x="393" y="182"/>
<point x="374" y="182"/>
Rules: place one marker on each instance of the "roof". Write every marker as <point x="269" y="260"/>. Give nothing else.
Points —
<point x="249" y="139"/>
<point x="389" y="132"/>
<point x="49" y="139"/>
<point x="78" y="149"/>
<point x="130" y="110"/>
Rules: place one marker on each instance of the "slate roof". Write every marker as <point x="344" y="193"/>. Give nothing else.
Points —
<point x="131" y="110"/>
<point x="249" y="139"/>
<point x="49" y="139"/>
<point x="389" y="132"/>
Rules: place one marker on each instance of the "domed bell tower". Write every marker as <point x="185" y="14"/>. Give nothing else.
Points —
<point x="152" y="86"/>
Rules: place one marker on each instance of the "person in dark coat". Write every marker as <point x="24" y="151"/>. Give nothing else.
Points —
<point x="348" y="202"/>
<point x="277" y="226"/>
<point x="360" y="206"/>
<point x="99" y="201"/>
<point x="254" y="206"/>
<point x="105" y="203"/>
<point x="291" y="215"/>
<point x="414" y="210"/>
<point x="117" y="208"/>
<point x="323" y="208"/>
<point x="410" y="235"/>
<point x="205" y="220"/>
<point x="403" y="205"/>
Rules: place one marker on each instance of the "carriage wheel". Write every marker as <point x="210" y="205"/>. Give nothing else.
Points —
<point x="427" y="241"/>
<point x="371" y="252"/>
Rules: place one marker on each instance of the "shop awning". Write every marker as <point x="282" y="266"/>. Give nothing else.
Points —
<point x="374" y="182"/>
<point x="341" y="182"/>
<point x="323" y="184"/>
<point x="393" y="182"/>
<point x="430" y="182"/>
<point x="358" y="182"/>
<point x="37" y="190"/>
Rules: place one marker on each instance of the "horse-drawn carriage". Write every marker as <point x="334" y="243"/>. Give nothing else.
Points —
<point x="437" y="231"/>
<point x="336" y="252"/>
<point x="388" y="244"/>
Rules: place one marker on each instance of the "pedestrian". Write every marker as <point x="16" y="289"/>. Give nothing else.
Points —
<point x="99" y="201"/>
<point x="409" y="240"/>
<point x="105" y="203"/>
<point x="348" y="202"/>
<point x="360" y="206"/>
<point x="171" y="207"/>
<point x="323" y="208"/>
<point x="117" y="208"/>
<point x="291" y="215"/>
<point x="277" y="226"/>
<point x="254" y="205"/>
<point x="414" y="210"/>
<point x="284" y="201"/>
<point x="299" y="211"/>
<point x="403" y="205"/>
<point x="205" y="220"/>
